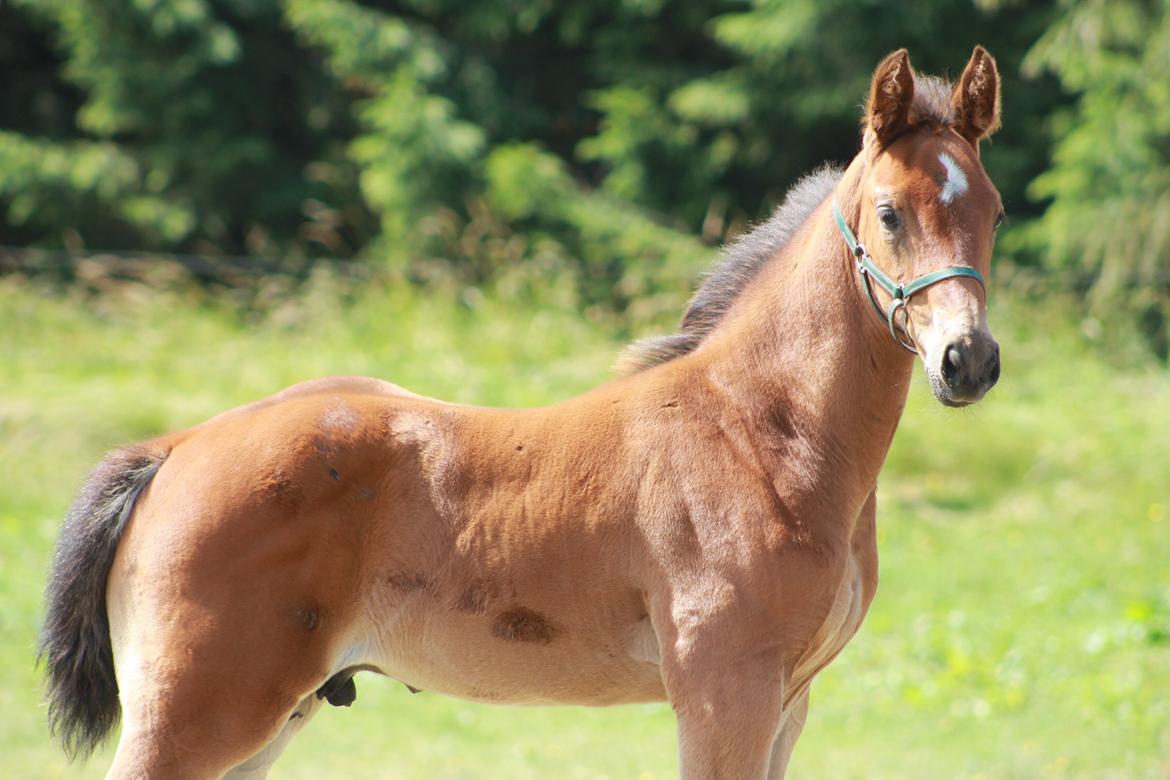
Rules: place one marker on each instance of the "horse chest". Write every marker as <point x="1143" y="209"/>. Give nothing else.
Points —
<point x="846" y="610"/>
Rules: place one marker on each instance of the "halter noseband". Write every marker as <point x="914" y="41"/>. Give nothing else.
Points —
<point x="899" y="293"/>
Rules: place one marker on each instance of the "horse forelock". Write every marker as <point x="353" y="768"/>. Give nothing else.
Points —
<point x="739" y="264"/>
<point x="932" y="102"/>
<point x="931" y="107"/>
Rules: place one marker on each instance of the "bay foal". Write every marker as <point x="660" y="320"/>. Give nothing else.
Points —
<point x="700" y="530"/>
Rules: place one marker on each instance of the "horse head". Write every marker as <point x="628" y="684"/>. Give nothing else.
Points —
<point x="926" y="215"/>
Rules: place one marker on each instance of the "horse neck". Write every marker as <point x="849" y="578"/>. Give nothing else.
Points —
<point x="812" y="374"/>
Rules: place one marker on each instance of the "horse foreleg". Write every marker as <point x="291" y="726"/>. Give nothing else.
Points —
<point x="728" y="710"/>
<point x="791" y="724"/>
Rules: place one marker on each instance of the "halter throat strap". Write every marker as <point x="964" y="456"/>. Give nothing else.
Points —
<point x="899" y="293"/>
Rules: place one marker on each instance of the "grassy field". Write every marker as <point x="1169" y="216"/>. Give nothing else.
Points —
<point x="1022" y="628"/>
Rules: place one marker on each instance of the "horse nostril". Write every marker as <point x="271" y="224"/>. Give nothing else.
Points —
<point x="950" y="364"/>
<point x="993" y="374"/>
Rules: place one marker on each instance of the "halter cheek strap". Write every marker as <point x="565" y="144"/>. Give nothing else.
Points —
<point x="899" y="293"/>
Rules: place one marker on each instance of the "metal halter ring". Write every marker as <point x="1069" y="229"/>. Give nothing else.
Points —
<point x="908" y="343"/>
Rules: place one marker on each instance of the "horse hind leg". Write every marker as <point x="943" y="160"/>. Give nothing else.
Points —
<point x="339" y="691"/>
<point x="216" y="686"/>
<point x="208" y="723"/>
<point x="258" y="765"/>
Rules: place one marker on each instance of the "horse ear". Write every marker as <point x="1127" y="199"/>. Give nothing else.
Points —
<point x="888" y="111"/>
<point x="976" y="98"/>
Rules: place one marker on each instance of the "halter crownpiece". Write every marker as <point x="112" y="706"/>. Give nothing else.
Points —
<point x="899" y="293"/>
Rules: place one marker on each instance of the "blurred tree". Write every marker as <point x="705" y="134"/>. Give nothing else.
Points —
<point x="689" y="117"/>
<point x="470" y="115"/>
<point x="201" y="127"/>
<point x="1108" y="225"/>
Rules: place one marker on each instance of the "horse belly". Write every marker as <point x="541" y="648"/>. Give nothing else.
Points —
<point x="521" y="656"/>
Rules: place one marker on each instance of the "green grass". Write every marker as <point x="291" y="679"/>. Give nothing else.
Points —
<point x="1022" y="628"/>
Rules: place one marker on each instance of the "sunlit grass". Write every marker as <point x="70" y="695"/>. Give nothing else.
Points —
<point x="1022" y="628"/>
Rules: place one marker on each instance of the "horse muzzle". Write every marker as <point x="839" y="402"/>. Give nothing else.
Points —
<point x="967" y="368"/>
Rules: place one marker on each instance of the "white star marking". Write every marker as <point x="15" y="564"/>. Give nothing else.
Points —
<point x="956" y="183"/>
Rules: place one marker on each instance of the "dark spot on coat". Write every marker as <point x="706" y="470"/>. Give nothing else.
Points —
<point x="309" y="618"/>
<point x="278" y="487"/>
<point x="483" y="694"/>
<point x="520" y="624"/>
<point x="475" y="597"/>
<point x="335" y="474"/>
<point x="409" y="581"/>
<point x="519" y="448"/>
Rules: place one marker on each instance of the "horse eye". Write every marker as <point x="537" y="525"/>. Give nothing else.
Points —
<point x="999" y="218"/>
<point x="888" y="217"/>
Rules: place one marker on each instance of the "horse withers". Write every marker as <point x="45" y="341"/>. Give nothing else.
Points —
<point x="700" y="530"/>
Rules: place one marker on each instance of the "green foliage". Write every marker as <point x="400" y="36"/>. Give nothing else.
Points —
<point x="1109" y="220"/>
<point x="598" y="137"/>
<point x="414" y="155"/>
<point x="64" y="183"/>
<point x="248" y="121"/>
<point x="211" y="113"/>
<point x="609" y="141"/>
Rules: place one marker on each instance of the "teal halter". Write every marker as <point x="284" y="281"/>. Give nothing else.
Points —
<point x="899" y="293"/>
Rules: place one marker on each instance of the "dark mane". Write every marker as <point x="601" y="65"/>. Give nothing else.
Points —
<point x="741" y="261"/>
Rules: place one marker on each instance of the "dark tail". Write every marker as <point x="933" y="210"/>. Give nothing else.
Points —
<point x="75" y="642"/>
